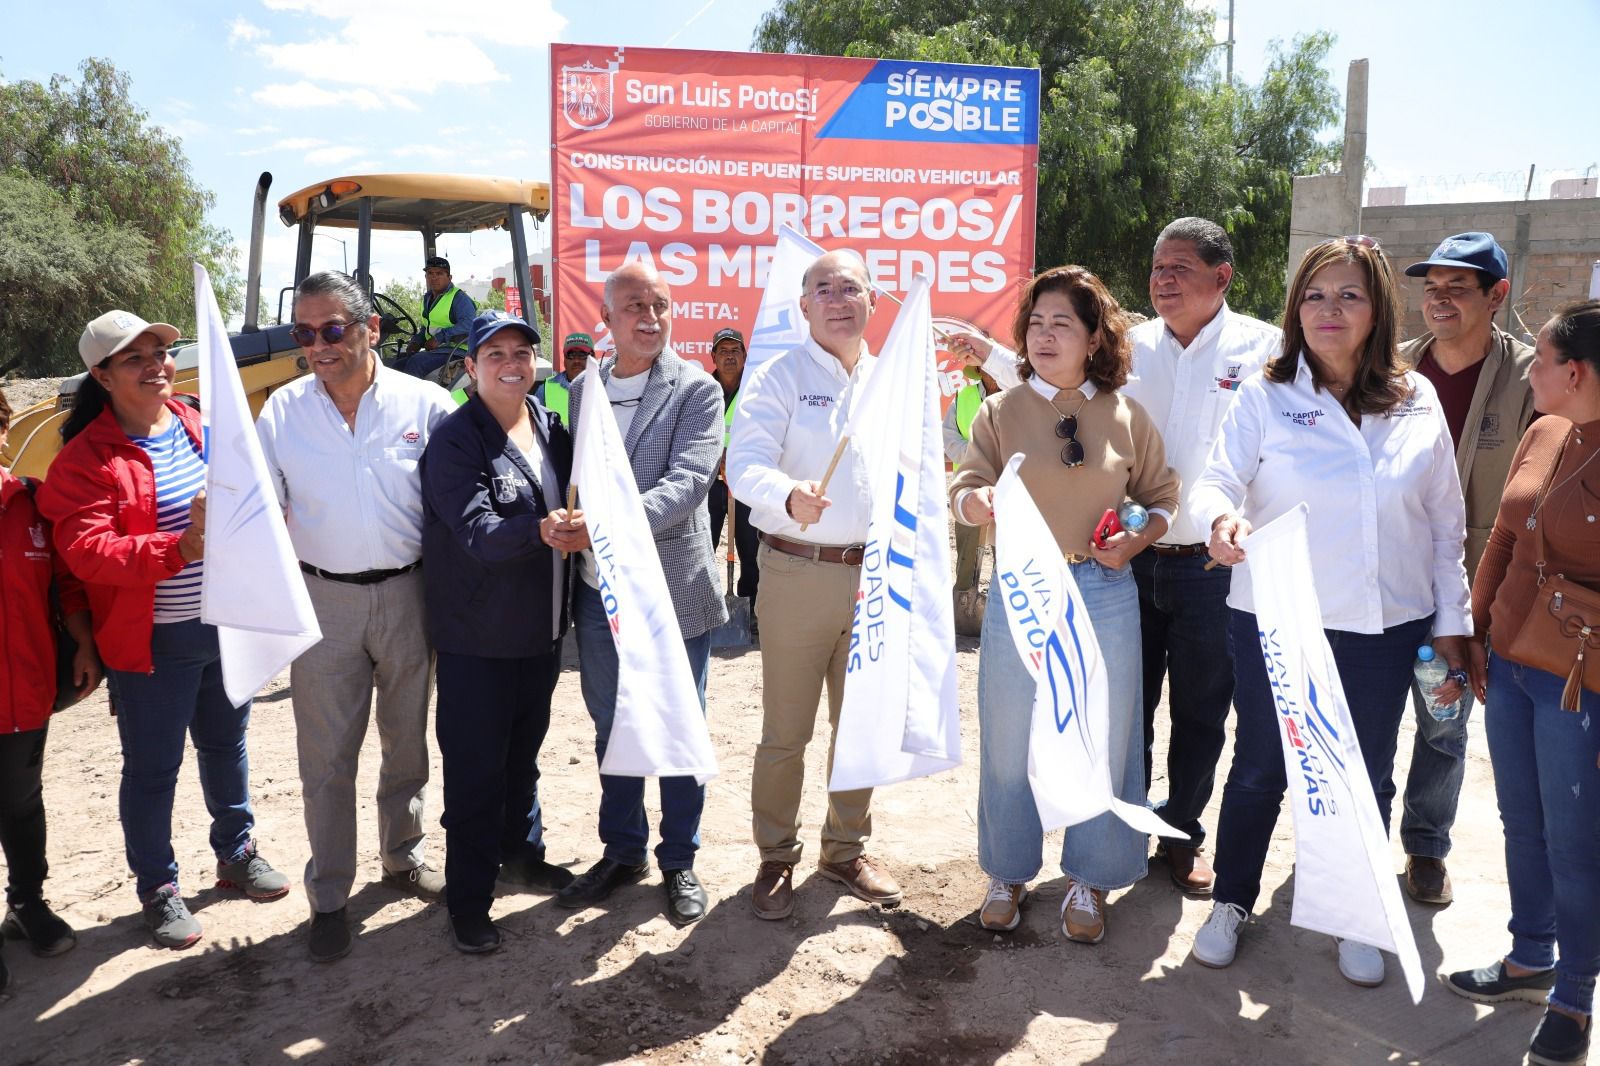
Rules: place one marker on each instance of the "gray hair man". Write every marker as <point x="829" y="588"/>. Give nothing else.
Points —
<point x="342" y="446"/>
<point x="1481" y="375"/>
<point x="1188" y="363"/>
<point x="669" y="412"/>
<point x="791" y="413"/>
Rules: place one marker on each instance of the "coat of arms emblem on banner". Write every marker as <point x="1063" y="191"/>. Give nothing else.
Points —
<point x="586" y="94"/>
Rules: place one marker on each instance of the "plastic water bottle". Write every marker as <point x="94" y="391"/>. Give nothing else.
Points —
<point x="1133" y="517"/>
<point x="1430" y="671"/>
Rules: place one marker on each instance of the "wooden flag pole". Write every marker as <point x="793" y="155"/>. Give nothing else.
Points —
<point x="572" y="502"/>
<point x="822" y="490"/>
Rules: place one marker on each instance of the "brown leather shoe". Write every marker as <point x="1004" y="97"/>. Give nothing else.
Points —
<point x="1189" y="868"/>
<point x="773" y="894"/>
<point x="1427" y="881"/>
<point x="864" y="880"/>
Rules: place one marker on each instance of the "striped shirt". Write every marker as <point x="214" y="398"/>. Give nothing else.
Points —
<point x="180" y="473"/>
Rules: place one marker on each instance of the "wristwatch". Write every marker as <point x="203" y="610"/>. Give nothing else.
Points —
<point x="1458" y="675"/>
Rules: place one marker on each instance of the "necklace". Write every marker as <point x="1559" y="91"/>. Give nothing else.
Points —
<point x="1544" y="497"/>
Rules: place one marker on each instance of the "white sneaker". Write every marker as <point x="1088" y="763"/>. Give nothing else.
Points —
<point x="1218" y="940"/>
<point x="1361" y="964"/>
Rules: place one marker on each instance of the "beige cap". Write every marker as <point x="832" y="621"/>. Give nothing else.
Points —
<point x="114" y="331"/>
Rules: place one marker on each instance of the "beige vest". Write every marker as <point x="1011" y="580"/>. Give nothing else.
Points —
<point x="1502" y="407"/>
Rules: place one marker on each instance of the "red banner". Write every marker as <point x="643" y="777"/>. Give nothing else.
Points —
<point x="693" y="160"/>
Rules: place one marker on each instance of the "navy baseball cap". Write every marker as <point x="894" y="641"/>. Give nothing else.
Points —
<point x="436" y="261"/>
<point x="1471" y="251"/>
<point x="489" y="323"/>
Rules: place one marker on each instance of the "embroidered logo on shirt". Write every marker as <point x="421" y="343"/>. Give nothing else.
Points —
<point x="506" y="486"/>
<point x="411" y="436"/>
<point x="1305" y="418"/>
<point x="36" y="534"/>
<point x="1410" y="408"/>
<point x="816" y="399"/>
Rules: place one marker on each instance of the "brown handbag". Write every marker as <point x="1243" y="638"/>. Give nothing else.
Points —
<point x="1561" y="634"/>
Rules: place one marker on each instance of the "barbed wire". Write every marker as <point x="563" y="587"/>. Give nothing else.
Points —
<point x="1476" y="188"/>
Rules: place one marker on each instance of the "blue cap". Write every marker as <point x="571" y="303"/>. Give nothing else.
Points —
<point x="1471" y="251"/>
<point x="489" y="323"/>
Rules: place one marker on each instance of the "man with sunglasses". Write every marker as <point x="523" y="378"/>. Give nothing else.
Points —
<point x="342" y="445"/>
<point x="1481" y="376"/>
<point x="791" y="412"/>
<point x="1188" y="364"/>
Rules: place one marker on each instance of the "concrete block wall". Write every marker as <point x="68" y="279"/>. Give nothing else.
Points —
<point x="1551" y="245"/>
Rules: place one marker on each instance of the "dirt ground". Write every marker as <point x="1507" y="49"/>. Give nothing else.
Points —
<point x="840" y="982"/>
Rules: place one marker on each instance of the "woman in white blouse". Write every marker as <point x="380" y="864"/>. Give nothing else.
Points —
<point x="1334" y="422"/>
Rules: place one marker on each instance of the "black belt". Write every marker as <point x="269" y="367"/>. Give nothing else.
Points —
<point x="365" y="577"/>
<point x="848" y="554"/>
<point x="1179" y="551"/>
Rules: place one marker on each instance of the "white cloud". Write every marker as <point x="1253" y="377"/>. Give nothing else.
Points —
<point x="332" y="155"/>
<point x="426" y="151"/>
<point x="285" y="144"/>
<point x="522" y="24"/>
<point x="303" y="94"/>
<point x="255" y="131"/>
<point x="243" y="30"/>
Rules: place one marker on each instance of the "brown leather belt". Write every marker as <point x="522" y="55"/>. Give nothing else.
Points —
<point x="1179" y="551"/>
<point x="849" y="554"/>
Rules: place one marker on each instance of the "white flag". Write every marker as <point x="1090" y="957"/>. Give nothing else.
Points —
<point x="900" y="718"/>
<point x="251" y="587"/>
<point x="1069" y="767"/>
<point x="1343" y="883"/>
<point x="659" y="729"/>
<point x="779" y="324"/>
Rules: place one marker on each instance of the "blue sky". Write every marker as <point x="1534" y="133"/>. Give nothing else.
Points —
<point x="1465" y="94"/>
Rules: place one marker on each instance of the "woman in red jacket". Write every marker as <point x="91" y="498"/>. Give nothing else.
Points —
<point x="27" y="696"/>
<point x="126" y="497"/>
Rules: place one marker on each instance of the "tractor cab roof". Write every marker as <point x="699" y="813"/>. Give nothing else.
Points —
<point x="428" y="203"/>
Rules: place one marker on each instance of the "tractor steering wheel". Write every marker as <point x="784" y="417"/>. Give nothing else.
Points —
<point x="396" y="328"/>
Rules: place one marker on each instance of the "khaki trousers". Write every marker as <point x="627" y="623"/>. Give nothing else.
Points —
<point x="805" y="610"/>
<point x="372" y="638"/>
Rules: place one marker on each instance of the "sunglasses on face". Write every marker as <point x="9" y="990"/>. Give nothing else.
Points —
<point x="332" y="333"/>
<point x="1067" y="430"/>
<point x="1358" y="240"/>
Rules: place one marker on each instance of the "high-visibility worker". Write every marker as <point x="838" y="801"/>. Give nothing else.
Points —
<point x="447" y="315"/>
<point x="576" y="351"/>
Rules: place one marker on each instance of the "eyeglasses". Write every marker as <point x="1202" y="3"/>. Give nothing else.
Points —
<point x="1067" y="430"/>
<point x="332" y="333"/>
<point x="1359" y="240"/>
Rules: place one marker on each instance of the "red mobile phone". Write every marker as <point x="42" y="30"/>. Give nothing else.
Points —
<point x="1108" y="526"/>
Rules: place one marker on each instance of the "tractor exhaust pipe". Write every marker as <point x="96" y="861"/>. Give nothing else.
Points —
<point x="258" y="225"/>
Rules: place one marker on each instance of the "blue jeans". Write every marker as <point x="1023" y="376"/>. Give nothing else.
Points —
<point x="1547" y="780"/>
<point x="182" y="694"/>
<point x="1375" y="669"/>
<point x="1104" y="852"/>
<point x="623" y="828"/>
<point x="1433" y="787"/>
<point x="1183" y="623"/>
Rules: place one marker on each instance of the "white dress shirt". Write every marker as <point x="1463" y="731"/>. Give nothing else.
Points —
<point x="1186" y="391"/>
<point x="1387" y="526"/>
<point x="353" y="500"/>
<point x="791" y="413"/>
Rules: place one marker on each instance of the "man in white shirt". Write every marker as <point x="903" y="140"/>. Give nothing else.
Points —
<point x="791" y="413"/>
<point x="1188" y="364"/>
<point x="342" y="445"/>
<point x="669" y="412"/>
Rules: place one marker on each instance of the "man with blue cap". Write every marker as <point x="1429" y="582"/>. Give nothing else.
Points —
<point x="1481" y="375"/>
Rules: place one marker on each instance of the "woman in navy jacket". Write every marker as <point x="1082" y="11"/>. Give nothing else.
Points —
<point x="496" y="602"/>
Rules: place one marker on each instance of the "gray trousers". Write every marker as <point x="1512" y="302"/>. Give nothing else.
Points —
<point x="372" y="637"/>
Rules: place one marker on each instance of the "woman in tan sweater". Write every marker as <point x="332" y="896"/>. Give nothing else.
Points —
<point x="1546" y="760"/>
<point x="1087" y="448"/>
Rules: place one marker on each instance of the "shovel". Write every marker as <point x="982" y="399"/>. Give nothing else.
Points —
<point x="971" y="602"/>
<point x="735" y="632"/>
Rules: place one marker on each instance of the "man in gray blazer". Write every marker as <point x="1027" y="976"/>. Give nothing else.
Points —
<point x="670" y="414"/>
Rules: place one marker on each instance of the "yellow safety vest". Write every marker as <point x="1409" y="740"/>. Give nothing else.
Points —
<point x="968" y="400"/>
<point x="556" y="396"/>
<point x="728" y="408"/>
<point x="438" y="316"/>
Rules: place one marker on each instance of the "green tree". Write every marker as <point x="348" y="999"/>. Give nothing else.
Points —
<point x="1137" y="125"/>
<point x="123" y="190"/>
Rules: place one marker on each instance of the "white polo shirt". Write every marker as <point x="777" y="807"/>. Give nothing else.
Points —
<point x="353" y="500"/>
<point x="1387" y="526"/>
<point x="1187" y="391"/>
<point x="791" y="413"/>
